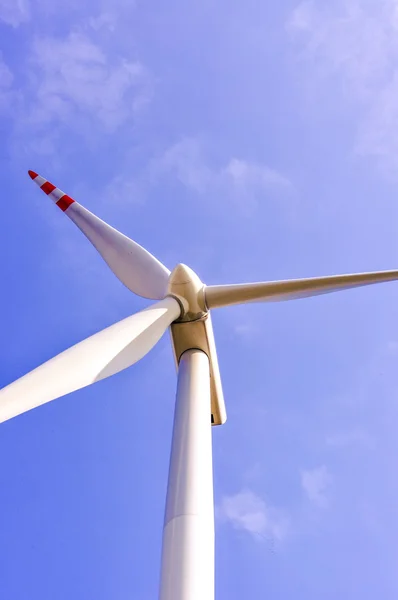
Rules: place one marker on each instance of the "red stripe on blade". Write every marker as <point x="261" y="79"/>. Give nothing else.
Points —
<point x="32" y="174"/>
<point x="65" y="202"/>
<point x="47" y="187"/>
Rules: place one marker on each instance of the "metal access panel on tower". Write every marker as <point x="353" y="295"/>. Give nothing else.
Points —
<point x="199" y="334"/>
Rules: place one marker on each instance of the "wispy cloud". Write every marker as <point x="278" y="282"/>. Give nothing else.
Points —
<point x="242" y="173"/>
<point x="245" y="330"/>
<point x="105" y="20"/>
<point x="73" y="85"/>
<point x="241" y="179"/>
<point x="186" y="162"/>
<point x="354" y="40"/>
<point x="73" y="77"/>
<point x="315" y="483"/>
<point x="357" y="43"/>
<point x="248" y="512"/>
<point x="124" y="191"/>
<point x="14" y="12"/>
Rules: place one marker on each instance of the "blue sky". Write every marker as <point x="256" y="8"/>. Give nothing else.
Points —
<point x="250" y="142"/>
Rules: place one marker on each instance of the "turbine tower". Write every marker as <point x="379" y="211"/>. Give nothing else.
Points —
<point x="183" y="304"/>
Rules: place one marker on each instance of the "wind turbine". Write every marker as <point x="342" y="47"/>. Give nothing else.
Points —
<point x="183" y="304"/>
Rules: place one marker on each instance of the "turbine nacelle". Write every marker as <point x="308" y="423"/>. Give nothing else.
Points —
<point x="193" y="329"/>
<point x="186" y="287"/>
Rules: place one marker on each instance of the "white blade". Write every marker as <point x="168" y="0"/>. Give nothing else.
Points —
<point x="276" y="291"/>
<point x="101" y="355"/>
<point x="141" y="272"/>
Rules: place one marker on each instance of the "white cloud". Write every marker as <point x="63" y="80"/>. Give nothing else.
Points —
<point x="242" y="173"/>
<point x="357" y="43"/>
<point x="123" y="191"/>
<point x="14" y="12"/>
<point x="185" y="160"/>
<point x="315" y="483"/>
<point x="245" y="330"/>
<point x="73" y="85"/>
<point x="241" y="179"/>
<point x="74" y="77"/>
<point x="105" y="20"/>
<point x="300" y="19"/>
<point x="249" y="512"/>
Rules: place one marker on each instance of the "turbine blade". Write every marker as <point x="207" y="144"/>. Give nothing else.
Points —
<point x="141" y="272"/>
<point x="277" y="291"/>
<point x="101" y="355"/>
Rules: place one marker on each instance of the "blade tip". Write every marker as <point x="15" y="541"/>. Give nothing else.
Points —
<point x="32" y="174"/>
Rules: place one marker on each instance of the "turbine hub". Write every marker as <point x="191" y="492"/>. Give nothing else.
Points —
<point x="186" y="287"/>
